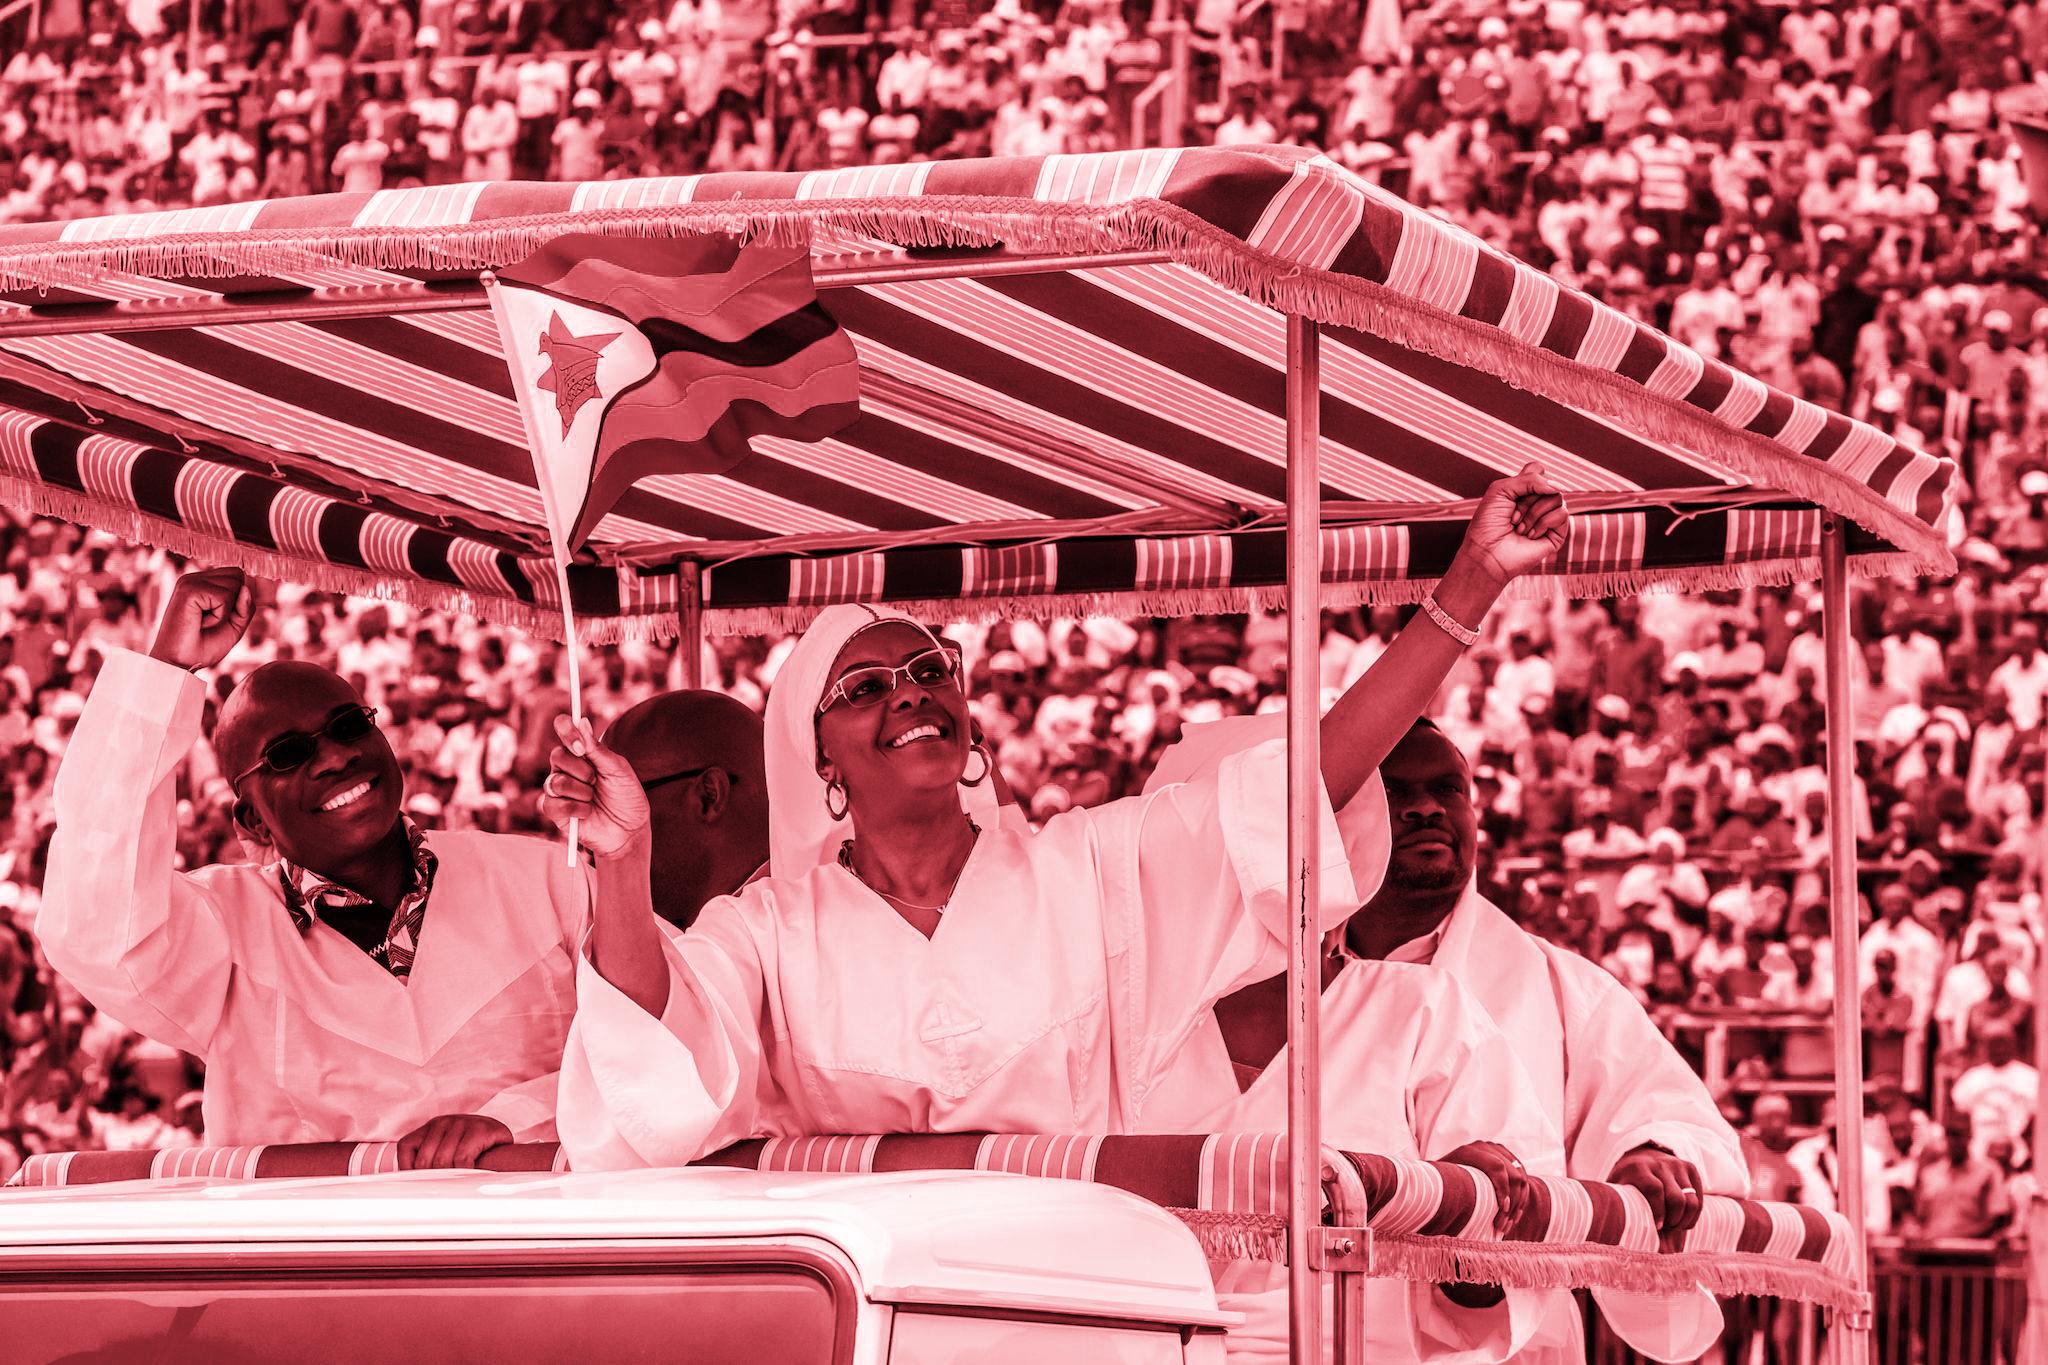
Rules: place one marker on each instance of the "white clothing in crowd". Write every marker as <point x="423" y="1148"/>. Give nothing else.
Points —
<point x="2000" y="1100"/>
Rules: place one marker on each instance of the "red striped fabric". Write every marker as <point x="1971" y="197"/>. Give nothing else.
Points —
<point x="1109" y="432"/>
<point x="1242" y="1176"/>
<point x="1009" y="570"/>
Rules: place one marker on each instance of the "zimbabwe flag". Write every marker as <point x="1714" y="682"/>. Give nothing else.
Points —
<point x="633" y="357"/>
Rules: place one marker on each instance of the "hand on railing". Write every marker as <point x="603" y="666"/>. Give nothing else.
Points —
<point x="1510" y="1178"/>
<point x="451" y="1142"/>
<point x="1670" y="1185"/>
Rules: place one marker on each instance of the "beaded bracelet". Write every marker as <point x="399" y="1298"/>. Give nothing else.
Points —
<point x="1434" y="610"/>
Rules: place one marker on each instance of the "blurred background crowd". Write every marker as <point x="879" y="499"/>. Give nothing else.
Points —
<point x="1829" y="195"/>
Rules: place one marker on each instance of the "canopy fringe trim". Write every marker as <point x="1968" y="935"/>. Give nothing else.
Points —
<point x="1228" y="1236"/>
<point x="544" y="620"/>
<point x="1237" y="1236"/>
<point x="1231" y="601"/>
<point x="1028" y="225"/>
<point x="142" y="528"/>
<point x="1526" y="1265"/>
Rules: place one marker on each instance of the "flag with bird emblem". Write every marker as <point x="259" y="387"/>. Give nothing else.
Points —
<point x="635" y="357"/>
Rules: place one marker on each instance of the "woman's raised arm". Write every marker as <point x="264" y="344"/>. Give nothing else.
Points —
<point x="665" y="1060"/>
<point x="1520" y="523"/>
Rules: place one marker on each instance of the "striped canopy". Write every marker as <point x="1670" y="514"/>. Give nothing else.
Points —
<point x="1073" y="380"/>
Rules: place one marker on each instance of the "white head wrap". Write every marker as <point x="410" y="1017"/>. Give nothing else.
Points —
<point x="1363" y="822"/>
<point x="801" y="833"/>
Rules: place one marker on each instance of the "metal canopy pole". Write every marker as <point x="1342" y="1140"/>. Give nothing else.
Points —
<point x="690" y="619"/>
<point x="1304" y="795"/>
<point x="1173" y="113"/>
<point x="1850" y="1336"/>
<point x="2033" y="1348"/>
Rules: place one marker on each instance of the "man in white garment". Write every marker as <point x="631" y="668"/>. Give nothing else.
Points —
<point x="369" y="980"/>
<point x="1413" y="1068"/>
<point x="1628" y="1107"/>
<point x="1630" y="1110"/>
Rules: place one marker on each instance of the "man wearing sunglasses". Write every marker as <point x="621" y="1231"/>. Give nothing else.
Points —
<point x="698" y="756"/>
<point x="365" y="980"/>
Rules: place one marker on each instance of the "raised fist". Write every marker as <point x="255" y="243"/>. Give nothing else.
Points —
<point x="208" y="612"/>
<point x="1519" y="525"/>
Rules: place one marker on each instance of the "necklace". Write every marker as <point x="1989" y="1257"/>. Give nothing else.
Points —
<point x="846" y="861"/>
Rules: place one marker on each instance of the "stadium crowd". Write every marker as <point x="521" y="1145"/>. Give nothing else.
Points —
<point x="1828" y="195"/>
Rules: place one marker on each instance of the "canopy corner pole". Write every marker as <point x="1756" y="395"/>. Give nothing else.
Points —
<point x="690" y="623"/>
<point x="1850" y="1331"/>
<point x="1304" y="798"/>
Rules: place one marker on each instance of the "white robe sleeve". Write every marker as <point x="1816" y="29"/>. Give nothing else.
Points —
<point x="1627" y="1086"/>
<point x="528" y="1108"/>
<point x="641" y="1091"/>
<point x="1209" y="912"/>
<point x="142" y="941"/>
<point x="1468" y="1086"/>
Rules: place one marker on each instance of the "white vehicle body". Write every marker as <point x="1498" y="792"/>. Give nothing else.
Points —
<point x="711" y="1266"/>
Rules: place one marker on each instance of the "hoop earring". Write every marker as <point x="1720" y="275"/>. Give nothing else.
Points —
<point x="987" y="766"/>
<point x="835" y="785"/>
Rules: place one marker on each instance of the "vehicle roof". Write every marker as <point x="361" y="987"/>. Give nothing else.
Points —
<point x="953" y="1237"/>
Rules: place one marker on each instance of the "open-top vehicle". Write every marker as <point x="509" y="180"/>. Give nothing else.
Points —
<point x="1159" y="381"/>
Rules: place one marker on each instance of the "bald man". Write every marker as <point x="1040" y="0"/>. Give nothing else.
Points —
<point x="369" y="980"/>
<point x="699" y="756"/>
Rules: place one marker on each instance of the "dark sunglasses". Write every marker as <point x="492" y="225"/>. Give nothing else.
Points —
<point x="296" y="749"/>
<point x="873" y="684"/>
<point x="652" y="783"/>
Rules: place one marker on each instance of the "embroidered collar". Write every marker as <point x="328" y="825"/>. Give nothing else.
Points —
<point x="307" y="895"/>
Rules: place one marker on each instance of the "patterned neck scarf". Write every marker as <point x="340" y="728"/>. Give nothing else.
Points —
<point x="307" y="894"/>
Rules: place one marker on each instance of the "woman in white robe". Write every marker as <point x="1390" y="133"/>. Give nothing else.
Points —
<point x="905" y="968"/>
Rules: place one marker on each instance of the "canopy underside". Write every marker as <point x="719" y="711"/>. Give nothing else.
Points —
<point x="1073" y="387"/>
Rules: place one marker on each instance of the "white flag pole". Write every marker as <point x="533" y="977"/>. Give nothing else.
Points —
<point x="574" y="650"/>
<point x="523" y="388"/>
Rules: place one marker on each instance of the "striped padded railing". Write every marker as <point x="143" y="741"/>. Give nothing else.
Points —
<point x="1429" y="1220"/>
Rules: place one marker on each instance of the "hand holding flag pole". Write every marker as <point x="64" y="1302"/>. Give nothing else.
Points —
<point x="572" y="649"/>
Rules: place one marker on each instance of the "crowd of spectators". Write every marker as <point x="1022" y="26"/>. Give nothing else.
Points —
<point x="1830" y="196"/>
